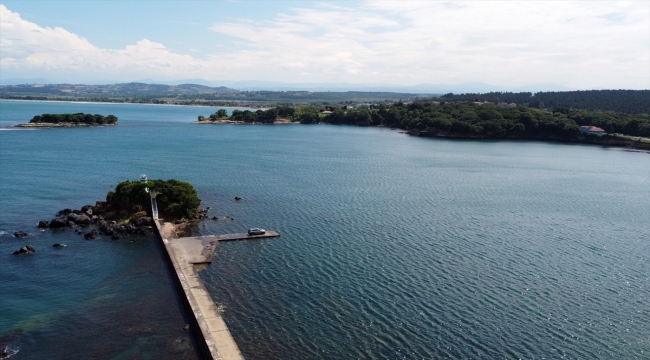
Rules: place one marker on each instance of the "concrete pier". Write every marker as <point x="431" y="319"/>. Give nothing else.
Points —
<point x="212" y="334"/>
<point x="183" y="255"/>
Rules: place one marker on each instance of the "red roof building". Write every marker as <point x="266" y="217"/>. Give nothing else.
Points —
<point x="593" y="130"/>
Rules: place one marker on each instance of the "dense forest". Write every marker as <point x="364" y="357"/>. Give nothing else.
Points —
<point x="78" y="118"/>
<point x="463" y="119"/>
<point x="625" y="101"/>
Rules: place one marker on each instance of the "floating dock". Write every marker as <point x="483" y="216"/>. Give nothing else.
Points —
<point x="239" y="236"/>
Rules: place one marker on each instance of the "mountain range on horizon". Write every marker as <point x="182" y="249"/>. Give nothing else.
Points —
<point x="260" y="85"/>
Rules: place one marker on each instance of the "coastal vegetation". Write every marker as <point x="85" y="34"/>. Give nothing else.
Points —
<point x="463" y="119"/>
<point x="127" y="210"/>
<point x="175" y="199"/>
<point x="492" y="120"/>
<point x="79" y="119"/>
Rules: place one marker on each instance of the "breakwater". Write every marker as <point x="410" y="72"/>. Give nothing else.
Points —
<point x="212" y="335"/>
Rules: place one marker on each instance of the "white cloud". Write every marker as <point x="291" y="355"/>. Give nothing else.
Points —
<point x="28" y="47"/>
<point x="579" y="44"/>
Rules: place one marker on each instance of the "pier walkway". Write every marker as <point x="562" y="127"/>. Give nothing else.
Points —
<point x="212" y="335"/>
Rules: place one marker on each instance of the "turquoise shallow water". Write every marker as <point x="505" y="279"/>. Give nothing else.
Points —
<point x="391" y="247"/>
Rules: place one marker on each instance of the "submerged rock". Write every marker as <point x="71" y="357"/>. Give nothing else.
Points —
<point x="27" y="249"/>
<point x="59" y="246"/>
<point x="237" y="198"/>
<point x="20" y="234"/>
<point x="91" y="235"/>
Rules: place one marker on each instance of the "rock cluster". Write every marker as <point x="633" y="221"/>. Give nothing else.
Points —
<point x="115" y="230"/>
<point x="27" y="249"/>
<point x="202" y="214"/>
<point x="90" y="215"/>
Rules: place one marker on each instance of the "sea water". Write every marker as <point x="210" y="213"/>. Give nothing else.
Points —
<point x="391" y="246"/>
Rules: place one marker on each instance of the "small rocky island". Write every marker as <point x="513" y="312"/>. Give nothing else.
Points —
<point x="127" y="211"/>
<point x="69" y="120"/>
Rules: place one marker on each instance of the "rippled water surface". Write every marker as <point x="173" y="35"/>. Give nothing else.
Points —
<point x="391" y="246"/>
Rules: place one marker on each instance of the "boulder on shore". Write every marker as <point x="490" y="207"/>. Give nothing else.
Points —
<point x="142" y="221"/>
<point x="79" y="219"/>
<point x="20" y="234"/>
<point x="27" y="249"/>
<point x="139" y="214"/>
<point x="64" y="212"/>
<point x="58" y="223"/>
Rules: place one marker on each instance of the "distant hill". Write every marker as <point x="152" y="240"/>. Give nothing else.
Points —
<point x="624" y="101"/>
<point x="187" y="93"/>
<point x="140" y="90"/>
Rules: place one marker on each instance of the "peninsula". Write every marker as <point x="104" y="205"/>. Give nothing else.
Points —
<point x="69" y="120"/>
<point x="477" y="120"/>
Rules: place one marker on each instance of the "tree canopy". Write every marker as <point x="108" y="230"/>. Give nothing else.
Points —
<point x="467" y="118"/>
<point x="78" y="118"/>
<point x="174" y="198"/>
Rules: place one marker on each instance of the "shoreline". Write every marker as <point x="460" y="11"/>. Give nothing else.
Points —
<point x="618" y="142"/>
<point x="219" y="122"/>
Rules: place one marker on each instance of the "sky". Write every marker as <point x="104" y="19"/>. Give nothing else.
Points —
<point x="574" y="44"/>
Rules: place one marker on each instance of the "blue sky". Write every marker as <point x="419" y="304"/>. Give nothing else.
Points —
<point x="582" y="44"/>
<point x="180" y="25"/>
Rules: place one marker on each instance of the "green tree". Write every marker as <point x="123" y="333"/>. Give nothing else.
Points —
<point x="174" y="198"/>
<point x="222" y="113"/>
